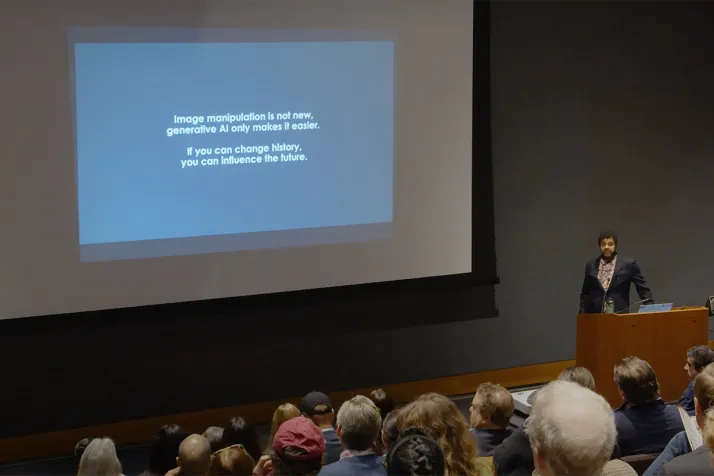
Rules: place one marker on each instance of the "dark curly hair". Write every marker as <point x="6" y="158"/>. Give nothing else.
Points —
<point x="415" y="454"/>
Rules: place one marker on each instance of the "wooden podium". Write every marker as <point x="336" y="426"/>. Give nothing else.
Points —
<point x="660" y="338"/>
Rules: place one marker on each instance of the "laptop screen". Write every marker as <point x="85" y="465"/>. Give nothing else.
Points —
<point x="656" y="307"/>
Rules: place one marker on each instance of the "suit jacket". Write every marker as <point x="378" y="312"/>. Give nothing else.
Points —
<point x="696" y="463"/>
<point x="366" y="465"/>
<point x="646" y="428"/>
<point x="627" y="272"/>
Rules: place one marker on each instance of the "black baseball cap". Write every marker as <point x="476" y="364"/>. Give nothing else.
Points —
<point x="315" y="403"/>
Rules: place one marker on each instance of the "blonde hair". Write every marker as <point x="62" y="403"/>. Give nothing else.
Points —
<point x="285" y="412"/>
<point x="100" y="459"/>
<point x="233" y="460"/>
<point x="439" y="418"/>
<point x="579" y="375"/>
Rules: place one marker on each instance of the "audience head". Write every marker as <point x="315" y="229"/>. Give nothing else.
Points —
<point x="317" y="407"/>
<point x="99" y="459"/>
<point x="636" y="380"/>
<point x="283" y="413"/>
<point x="240" y="432"/>
<point x="164" y="449"/>
<point x="571" y="430"/>
<point x="233" y="460"/>
<point x="383" y="401"/>
<point x="703" y="393"/>
<point x="491" y="407"/>
<point x="358" y="423"/>
<point x="80" y="447"/>
<point x="214" y="435"/>
<point x="580" y="375"/>
<point x="194" y="456"/>
<point x="390" y="433"/>
<point x="298" y="447"/>
<point x="697" y="358"/>
<point x="440" y="419"/>
<point x="415" y="454"/>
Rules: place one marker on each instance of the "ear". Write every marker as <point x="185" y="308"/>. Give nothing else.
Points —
<point x="486" y="419"/>
<point x="339" y="432"/>
<point x="178" y="462"/>
<point x="697" y="408"/>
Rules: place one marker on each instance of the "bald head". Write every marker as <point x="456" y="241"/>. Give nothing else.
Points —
<point x="194" y="456"/>
<point x="571" y="430"/>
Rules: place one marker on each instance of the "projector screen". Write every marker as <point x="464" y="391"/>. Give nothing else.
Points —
<point x="182" y="150"/>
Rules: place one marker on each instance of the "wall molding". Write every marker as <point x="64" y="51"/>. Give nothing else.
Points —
<point x="56" y="443"/>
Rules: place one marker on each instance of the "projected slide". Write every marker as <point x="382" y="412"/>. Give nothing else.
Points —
<point x="189" y="146"/>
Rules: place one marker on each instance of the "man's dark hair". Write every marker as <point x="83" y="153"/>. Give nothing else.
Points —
<point x="416" y="454"/>
<point x="637" y="380"/>
<point x="702" y="355"/>
<point x="80" y="447"/>
<point x="240" y="432"/>
<point x="289" y="465"/>
<point x="607" y="234"/>
<point x="383" y="401"/>
<point x="164" y="448"/>
<point x="390" y="430"/>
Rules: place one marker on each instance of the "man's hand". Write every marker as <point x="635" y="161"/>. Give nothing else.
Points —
<point x="264" y="466"/>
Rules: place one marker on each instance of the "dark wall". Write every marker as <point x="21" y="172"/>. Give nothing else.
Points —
<point x="602" y="117"/>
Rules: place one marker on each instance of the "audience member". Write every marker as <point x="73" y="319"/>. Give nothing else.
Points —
<point x="697" y="358"/>
<point x="383" y="401"/>
<point x="80" y="447"/>
<point x="699" y="461"/>
<point x="298" y="450"/>
<point x="99" y="459"/>
<point x="214" y="435"/>
<point x="439" y="418"/>
<point x="317" y="407"/>
<point x="194" y="457"/>
<point x="283" y="413"/>
<point x="233" y="460"/>
<point x="389" y="433"/>
<point x="514" y="457"/>
<point x="644" y="423"/>
<point x="491" y="410"/>
<point x="164" y="450"/>
<point x="358" y="426"/>
<point x="579" y="375"/>
<point x="679" y="444"/>
<point x="572" y="432"/>
<point x="240" y="432"/>
<point x="415" y="454"/>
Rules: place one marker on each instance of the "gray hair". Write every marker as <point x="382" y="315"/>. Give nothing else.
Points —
<point x="100" y="459"/>
<point x="572" y="428"/>
<point x="359" y="423"/>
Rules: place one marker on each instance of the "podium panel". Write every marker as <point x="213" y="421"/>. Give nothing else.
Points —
<point x="660" y="338"/>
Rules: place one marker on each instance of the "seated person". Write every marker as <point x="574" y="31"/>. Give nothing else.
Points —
<point x="491" y="410"/>
<point x="415" y="454"/>
<point x="697" y="358"/>
<point x="514" y="456"/>
<point x="679" y="445"/>
<point x="358" y="426"/>
<point x="699" y="461"/>
<point x="298" y="450"/>
<point x="317" y="407"/>
<point x="645" y="424"/>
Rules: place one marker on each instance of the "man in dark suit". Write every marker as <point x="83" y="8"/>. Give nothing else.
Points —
<point x="610" y="276"/>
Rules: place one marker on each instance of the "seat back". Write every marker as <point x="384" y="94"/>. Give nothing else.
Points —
<point x="640" y="463"/>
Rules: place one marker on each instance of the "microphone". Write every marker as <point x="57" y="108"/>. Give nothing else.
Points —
<point x="641" y="301"/>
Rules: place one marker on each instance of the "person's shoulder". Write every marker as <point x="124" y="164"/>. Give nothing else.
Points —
<point x="695" y="463"/>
